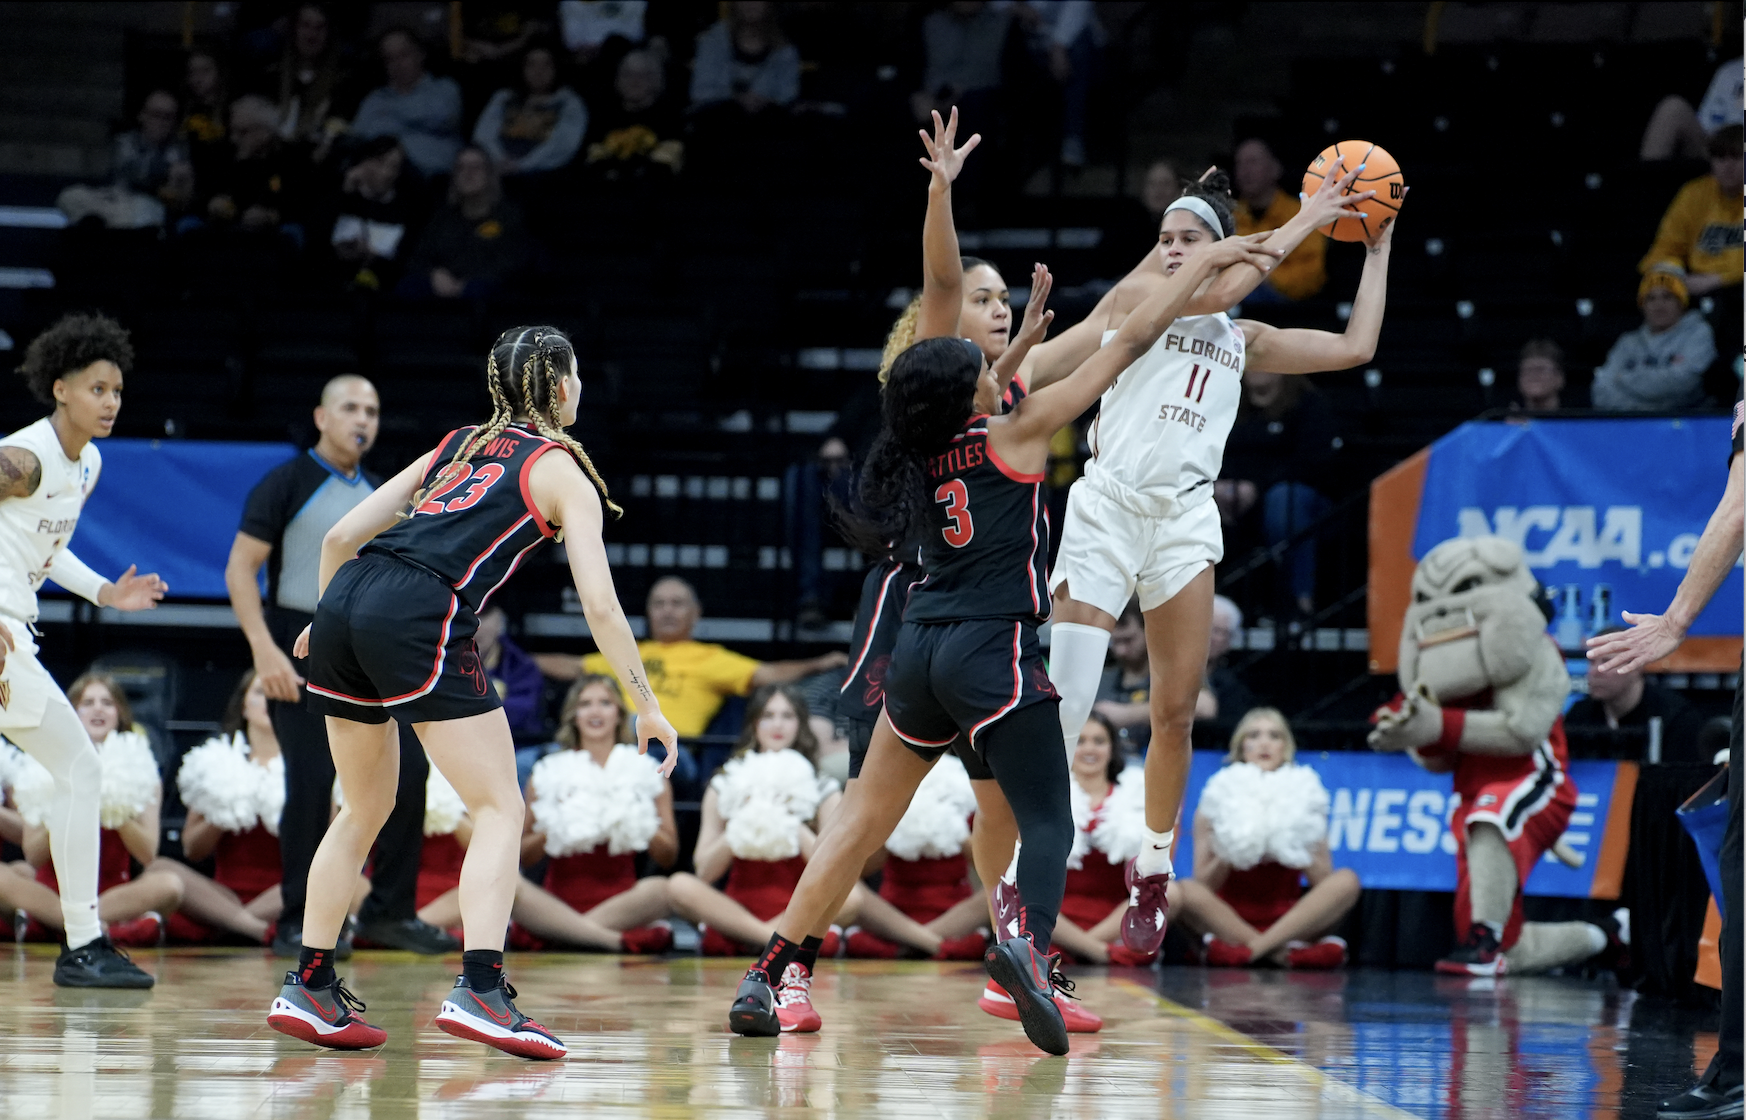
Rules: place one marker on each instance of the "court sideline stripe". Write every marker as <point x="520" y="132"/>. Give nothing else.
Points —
<point x="1372" y="1105"/>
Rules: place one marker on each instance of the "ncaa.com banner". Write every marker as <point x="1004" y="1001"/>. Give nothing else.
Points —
<point x="1609" y="508"/>
<point x="1389" y="822"/>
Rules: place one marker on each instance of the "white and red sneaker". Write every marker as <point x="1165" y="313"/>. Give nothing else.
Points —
<point x="1148" y="913"/>
<point x="143" y="932"/>
<point x="794" y="1008"/>
<point x="1479" y="955"/>
<point x="331" y="1016"/>
<point x="492" y="1018"/>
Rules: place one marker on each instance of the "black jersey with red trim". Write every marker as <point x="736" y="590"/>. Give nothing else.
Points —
<point x="475" y="528"/>
<point x="987" y="543"/>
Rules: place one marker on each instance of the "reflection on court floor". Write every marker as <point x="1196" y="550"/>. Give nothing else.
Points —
<point x="647" y="1038"/>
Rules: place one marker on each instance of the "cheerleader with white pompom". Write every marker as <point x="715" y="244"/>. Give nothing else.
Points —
<point x="925" y="901"/>
<point x="1109" y="817"/>
<point x="591" y="808"/>
<point x="132" y="909"/>
<point x="760" y="823"/>
<point x="1260" y="832"/>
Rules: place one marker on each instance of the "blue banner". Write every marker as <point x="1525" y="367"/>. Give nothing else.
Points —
<point x="1389" y="822"/>
<point x="171" y="507"/>
<point x="1608" y="511"/>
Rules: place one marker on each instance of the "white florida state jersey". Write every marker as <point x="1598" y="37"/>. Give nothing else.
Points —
<point x="1159" y="437"/>
<point x="34" y="530"/>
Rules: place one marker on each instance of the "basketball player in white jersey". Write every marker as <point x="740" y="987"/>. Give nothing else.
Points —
<point x="1143" y="517"/>
<point x="47" y="470"/>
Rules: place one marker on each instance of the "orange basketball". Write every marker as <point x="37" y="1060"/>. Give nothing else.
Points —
<point x="1381" y="174"/>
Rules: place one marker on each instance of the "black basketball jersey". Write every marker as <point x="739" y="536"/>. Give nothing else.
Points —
<point x="477" y="527"/>
<point x="988" y="537"/>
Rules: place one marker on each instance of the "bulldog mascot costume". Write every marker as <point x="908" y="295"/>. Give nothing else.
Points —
<point x="1482" y="695"/>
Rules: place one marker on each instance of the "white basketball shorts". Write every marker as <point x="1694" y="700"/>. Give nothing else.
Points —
<point x="1108" y="551"/>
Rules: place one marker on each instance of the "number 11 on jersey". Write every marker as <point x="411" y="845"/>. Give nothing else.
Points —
<point x="955" y="496"/>
<point x="1204" y="375"/>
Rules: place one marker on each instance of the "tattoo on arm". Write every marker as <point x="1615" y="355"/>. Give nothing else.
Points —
<point x="642" y="688"/>
<point x="20" y="472"/>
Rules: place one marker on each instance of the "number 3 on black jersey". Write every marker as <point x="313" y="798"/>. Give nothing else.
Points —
<point x="956" y="498"/>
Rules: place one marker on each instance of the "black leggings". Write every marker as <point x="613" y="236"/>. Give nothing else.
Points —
<point x="1024" y="751"/>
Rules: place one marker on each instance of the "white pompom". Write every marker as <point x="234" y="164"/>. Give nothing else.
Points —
<point x="771" y="794"/>
<point x="270" y="796"/>
<point x="772" y="833"/>
<point x="218" y="781"/>
<point x="937" y="822"/>
<point x="130" y="777"/>
<point x="1256" y="814"/>
<point x="580" y="805"/>
<point x="33" y="789"/>
<point x="1299" y="812"/>
<point x="443" y="807"/>
<point x="1120" y="829"/>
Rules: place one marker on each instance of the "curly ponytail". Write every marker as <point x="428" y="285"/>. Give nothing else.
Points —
<point x="928" y="397"/>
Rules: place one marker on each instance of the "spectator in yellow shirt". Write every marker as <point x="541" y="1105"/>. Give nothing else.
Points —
<point x="691" y="679"/>
<point x="1700" y="233"/>
<point x="1261" y="205"/>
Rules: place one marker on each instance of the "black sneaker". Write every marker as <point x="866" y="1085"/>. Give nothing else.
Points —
<point x="492" y="1018"/>
<point x="1025" y="973"/>
<point x="1703" y="1102"/>
<point x="754" y="1009"/>
<point x="99" y="964"/>
<point x="288" y="940"/>
<point x="1479" y="955"/>
<point x="409" y="934"/>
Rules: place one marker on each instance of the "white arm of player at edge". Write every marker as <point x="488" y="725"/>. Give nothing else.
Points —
<point x="76" y="576"/>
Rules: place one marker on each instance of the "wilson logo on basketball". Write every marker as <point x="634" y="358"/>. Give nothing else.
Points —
<point x="1397" y="191"/>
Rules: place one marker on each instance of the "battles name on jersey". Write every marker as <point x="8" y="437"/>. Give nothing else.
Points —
<point x="35" y="529"/>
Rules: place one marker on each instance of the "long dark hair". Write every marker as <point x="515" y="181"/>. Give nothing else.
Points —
<point x="931" y="392"/>
<point x="805" y="742"/>
<point x="526" y="366"/>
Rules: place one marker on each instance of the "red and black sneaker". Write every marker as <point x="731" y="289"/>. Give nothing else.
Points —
<point x="331" y="1016"/>
<point x="1479" y="955"/>
<point x="754" y="1009"/>
<point x="1026" y="976"/>
<point x="794" y="1008"/>
<point x="1148" y="911"/>
<point x="492" y="1018"/>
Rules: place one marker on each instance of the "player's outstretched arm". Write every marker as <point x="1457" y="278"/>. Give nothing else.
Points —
<point x="1044" y="412"/>
<point x="129" y="591"/>
<point x="569" y="501"/>
<point x="1328" y="204"/>
<point x="1274" y="350"/>
<point x="1036" y="325"/>
<point x="942" y="274"/>
<point x="1654" y="636"/>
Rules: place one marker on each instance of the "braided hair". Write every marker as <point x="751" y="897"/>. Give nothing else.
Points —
<point x="931" y="392"/>
<point x="523" y="372"/>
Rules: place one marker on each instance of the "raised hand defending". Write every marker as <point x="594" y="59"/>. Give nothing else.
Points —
<point x="943" y="159"/>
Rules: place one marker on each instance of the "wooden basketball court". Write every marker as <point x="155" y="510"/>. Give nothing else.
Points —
<point x="901" y="1039"/>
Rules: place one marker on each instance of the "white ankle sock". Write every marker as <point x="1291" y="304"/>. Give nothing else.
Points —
<point x="1154" y="858"/>
<point x="1011" y="876"/>
<point x="1076" y="656"/>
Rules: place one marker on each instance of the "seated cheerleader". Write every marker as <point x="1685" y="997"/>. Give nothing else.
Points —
<point x="234" y="788"/>
<point x="1261" y="830"/>
<point x="760" y="818"/>
<point x="1109" y="815"/>
<point x="591" y="807"/>
<point x="132" y="908"/>
<point x="924" y="887"/>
